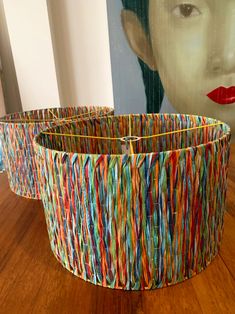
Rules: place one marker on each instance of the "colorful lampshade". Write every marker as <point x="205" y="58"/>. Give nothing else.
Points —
<point x="135" y="202"/>
<point x="1" y="157"/>
<point x="17" y="132"/>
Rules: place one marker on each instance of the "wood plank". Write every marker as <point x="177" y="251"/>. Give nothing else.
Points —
<point x="230" y="200"/>
<point x="227" y="251"/>
<point x="215" y="289"/>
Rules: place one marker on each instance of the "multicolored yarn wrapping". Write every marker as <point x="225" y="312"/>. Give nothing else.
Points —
<point x="17" y="132"/>
<point x="1" y="158"/>
<point x="135" y="221"/>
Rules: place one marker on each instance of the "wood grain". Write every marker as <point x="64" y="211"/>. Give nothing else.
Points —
<point x="32" y="281"/>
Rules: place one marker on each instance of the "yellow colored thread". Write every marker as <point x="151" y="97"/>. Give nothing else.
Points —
<point x="55" y="117"/>
<point x="131" y="147"/>
<point x="131" y="144"/>
<point x="83" y="136"/>
<point x="68" y="119"/>
<point x="121" y="138"/>
<point x="183" y="130"/>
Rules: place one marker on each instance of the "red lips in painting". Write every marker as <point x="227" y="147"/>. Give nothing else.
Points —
<point x="223" y="95"/>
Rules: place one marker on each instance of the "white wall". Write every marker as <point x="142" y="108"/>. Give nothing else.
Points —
<point x="8" y="74"/>
<point x="82" y="53"/>
<point x="30" y="38"/>
<point x="61" y="51"/>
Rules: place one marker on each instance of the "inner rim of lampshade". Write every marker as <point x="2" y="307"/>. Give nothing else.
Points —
<point x="53" y="114"/>
<point x="97" y="135"/>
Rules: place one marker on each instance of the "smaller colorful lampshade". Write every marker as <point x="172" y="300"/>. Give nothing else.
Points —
<point x="17" y="132"/>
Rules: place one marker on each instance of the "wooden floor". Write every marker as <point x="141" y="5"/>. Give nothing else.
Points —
<point x="32" y="281"/>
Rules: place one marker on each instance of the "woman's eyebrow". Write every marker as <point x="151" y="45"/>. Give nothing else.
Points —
<point x="187" y="2"/>
<point x="210" y="3"/>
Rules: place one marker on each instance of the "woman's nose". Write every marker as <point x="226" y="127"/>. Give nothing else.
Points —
<point x="222" y="59"/>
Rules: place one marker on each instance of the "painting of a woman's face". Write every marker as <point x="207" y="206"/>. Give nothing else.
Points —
<point x="192" y="46"/>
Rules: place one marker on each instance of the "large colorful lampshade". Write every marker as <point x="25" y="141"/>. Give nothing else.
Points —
<point x="17" y="132"/>
<point x="135" y="202"/>
<point x="1" y="157"/>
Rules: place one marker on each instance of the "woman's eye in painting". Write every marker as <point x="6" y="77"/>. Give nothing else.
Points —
<point x="186" y="10"/>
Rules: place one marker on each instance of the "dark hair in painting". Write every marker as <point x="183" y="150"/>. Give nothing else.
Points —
<point x="153" y="86"/>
